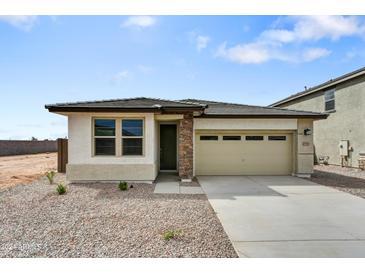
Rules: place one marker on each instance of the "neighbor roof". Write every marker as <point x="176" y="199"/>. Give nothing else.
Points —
<point x="208" y="109"/>
<point x="330" y="83"/>
<point x="222" y="109"/>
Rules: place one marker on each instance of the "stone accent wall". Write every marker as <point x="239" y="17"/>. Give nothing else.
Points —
<point x="186" y="133"/>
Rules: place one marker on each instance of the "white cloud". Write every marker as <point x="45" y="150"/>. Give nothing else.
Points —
<point x="121" y="75"/>
<point x="314" y="28"/>
<point x="277" y="35"/>
<point x="314" y="53"/>
<point x="252" y="53"/>
<point x="274" y="43"/>
<point x="139" y="21"/>
<point x="258" y="53"/>
<point x="202" y="42"/>
<point x="145" y="69"/>
<point x="22" y="22"/>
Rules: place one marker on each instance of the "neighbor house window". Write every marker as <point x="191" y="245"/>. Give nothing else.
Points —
<point x="104" y="137"/>
<point x="132" y="137"/>
<point x="329" y="100"/>
<point x="208" y="138"/>
<point x="254" y="138"/>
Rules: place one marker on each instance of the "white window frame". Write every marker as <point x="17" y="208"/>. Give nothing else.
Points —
<point x="132" y="137"/>
<point x="333" y="98"/>
<point x="103" y="137"/>
<point x="118" y="136"/>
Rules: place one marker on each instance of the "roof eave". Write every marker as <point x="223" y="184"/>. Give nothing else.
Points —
<point x="53" y="108"/>
<point x="269" y="116"/>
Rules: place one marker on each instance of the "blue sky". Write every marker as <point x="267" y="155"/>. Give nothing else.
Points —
<point x="245" y="59"/>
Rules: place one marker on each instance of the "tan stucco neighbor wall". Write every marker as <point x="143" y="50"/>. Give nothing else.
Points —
<point x="346" y="123"/>
<point x="83" y="165"/>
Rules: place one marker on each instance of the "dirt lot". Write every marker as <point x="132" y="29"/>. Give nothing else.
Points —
<point x="22" y="169"/>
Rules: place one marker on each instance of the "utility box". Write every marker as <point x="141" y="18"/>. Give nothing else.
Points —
<point x="362" y="161"/>
<point x="344" y="148"/>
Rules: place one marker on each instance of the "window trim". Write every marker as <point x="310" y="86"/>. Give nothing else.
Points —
<point x="330" y="100"/>
<point x="118" y="136"/>
<point x="103" y="137"/>
<point x="131" y="137"/>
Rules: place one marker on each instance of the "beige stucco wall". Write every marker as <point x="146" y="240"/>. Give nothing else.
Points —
<point x="111" y="172"/>
<point x="84" y="166"/>
<point x="304" y="148"/>
<point x="346" y="123"/>
<point x="82" y="163"/>
<point x="245" y="124"/>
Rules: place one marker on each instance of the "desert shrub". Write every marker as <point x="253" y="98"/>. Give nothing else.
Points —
<point x="61" y="189"/>
<point x="171" y="234"/>
<point x="123" y="186"/>
<point x="50" y="175"/>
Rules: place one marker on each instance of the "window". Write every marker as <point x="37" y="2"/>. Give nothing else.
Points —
<point x="208" y="138"/>
<point x="104" y="137"/>
<point x="329" y="100"/>
<point x="254" y="138"/>
<point x="277" y="138"/>
<point x="231" y="138"/>
<point x="132" y="137"/>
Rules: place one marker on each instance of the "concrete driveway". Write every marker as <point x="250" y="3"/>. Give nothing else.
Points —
<point x="283" y="216"/>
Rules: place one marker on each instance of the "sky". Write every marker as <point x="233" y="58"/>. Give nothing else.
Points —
<point x="243" y="59"/>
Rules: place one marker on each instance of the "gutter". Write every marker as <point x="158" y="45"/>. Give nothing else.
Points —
<point x="265" y="116"/>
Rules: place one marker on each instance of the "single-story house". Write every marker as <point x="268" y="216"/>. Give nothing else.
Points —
<point x="135" y="139"/>
<point x="340" y="139"/>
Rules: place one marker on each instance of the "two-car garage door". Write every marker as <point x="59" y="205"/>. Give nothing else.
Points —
<point x="243" y="153"/>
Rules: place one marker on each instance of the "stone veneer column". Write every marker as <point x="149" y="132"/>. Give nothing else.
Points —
<point x="186" y="133"/>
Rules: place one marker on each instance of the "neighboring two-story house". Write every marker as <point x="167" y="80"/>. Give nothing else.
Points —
<point x="339" y="139"/>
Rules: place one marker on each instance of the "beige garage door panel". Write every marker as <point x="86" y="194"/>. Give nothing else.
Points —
<point x="243" y="157"/>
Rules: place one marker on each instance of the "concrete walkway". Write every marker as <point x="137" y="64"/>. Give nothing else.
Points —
<point x="282" y="216"/>
<point x="167" y="183"/>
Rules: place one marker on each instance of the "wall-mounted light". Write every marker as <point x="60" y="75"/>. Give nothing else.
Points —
<point x="307" y="131"/>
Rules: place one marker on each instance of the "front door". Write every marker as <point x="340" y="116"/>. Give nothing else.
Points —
<point x="168" y="147"/>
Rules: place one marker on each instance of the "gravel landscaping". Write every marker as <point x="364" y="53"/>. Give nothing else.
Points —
<point x="99" y="220"/>
<point x="345" y="179"/>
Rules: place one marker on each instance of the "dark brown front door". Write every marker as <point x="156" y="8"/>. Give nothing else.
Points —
<point x="168" y="148"/>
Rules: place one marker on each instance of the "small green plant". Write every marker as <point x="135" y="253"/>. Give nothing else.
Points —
<point x="61" y="189"/>
<point x="123" y="186"/>
<point x="171" y="234"/>
<point x="50" y="175"/>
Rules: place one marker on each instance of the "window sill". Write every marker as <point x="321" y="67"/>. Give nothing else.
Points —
<point x="121" y="156"/>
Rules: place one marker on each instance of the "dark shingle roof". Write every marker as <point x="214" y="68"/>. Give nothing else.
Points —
<point x="209" y="108"/>
<point x="231" y="110"/>
<point x="127" y="103"/>
<point x="320" y="87"/>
